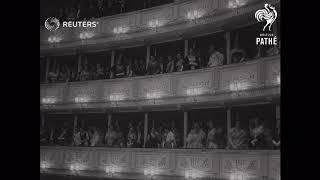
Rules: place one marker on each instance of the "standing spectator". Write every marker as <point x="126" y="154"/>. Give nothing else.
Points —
<point x="119" y="137"/>
<point x="237" y="137"/>
<point x="152" y="139"/>
<point x="84" y="73"/>
<point x="61" y="15"/>
<point x="76" y="137"/>
<point x="94" y="137"/>
<point x="211" y="137"/>
<point x="216" y="58"/>
<point x="129" y="71"/>
<point x="170" y="65"/>
<point x="195" y="137"/>
<point x="99" y="72"/>
<point x="72" y="14"/>
<point x="221" y="137"/>
<point x="180" y="65"/>
<point x="153" y="66"/>
<point x="161" y="64"/>
<point x="53" y="75"/>
<point x="54" y="133"/>
<point x="192" y="60"/>
<point x="100" y="5"/>
<point x="92" y="10"/>
<point x="122" y="4"/>
<point x="44" y="135"/>
<point x="110" y="137"/>
<point x="118" y="70"/>
<point x="257" y="139"/>
<point x="132" y="138"/>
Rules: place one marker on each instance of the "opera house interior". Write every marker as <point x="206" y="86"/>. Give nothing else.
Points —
<point x="168" y="90"/>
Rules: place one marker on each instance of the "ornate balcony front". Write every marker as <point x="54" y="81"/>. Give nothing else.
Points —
<point x="204" y="164"/>
<point x="219" y="85"/>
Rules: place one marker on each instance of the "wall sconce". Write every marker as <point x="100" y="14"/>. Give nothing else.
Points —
<point x="54" y="39"/>
<point x="154" y="24"/>
<point x="194" y="15"/>
<point x="86" y="35"/>
<point x="49" y="100"/>
<point x="151" y="172"/>
<point x="81" y="99"/>
<point x="110" y="170"/>
<point x="238" y="175"/>
<point x="191" y="174"/>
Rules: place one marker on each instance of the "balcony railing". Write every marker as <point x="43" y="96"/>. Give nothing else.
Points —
<point x="249" y="79"/>
<point x="146" y="163"/>
<point x="139" y="24"/>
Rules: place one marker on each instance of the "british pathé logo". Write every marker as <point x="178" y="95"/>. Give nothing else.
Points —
<point x="268" y="14"/>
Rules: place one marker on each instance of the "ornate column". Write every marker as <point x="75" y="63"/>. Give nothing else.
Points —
<point x="113" y="55"/>
<point x="228" y="121"/>
<point x="148" y="55"/>
<point x="228" y="42"/>
<point x="185" y="128"/>
<point x="75" y="123"/>
<point x="145" y="129"/>
<point x="186" y="47"/>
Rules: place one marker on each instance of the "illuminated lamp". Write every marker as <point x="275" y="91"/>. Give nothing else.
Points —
<point x="86" y="35"/>
<point x="54" y="39"/>
<point x="192" y="16"/>
<point x="81" y="99"/>
<point x="48" y="100"/>
<point x="154" y="24"/>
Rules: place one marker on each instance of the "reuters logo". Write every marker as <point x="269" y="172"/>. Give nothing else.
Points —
<point x="52" y="23"/>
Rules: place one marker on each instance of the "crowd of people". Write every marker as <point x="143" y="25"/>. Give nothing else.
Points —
<point x="88" y="9"/>
<point x="126" y="66"/>
<point x="201" y="136"/>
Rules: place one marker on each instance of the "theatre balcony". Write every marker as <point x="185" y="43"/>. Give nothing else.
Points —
<point x="176" y="20"/>
<point x="257" y="80"/>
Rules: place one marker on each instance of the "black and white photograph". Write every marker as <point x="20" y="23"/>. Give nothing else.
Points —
<point x="160" y="90"/>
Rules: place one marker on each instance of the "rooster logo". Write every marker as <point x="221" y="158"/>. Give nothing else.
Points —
<point x="268" y="13"/>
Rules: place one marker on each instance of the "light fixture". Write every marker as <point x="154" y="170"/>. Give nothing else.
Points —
<point x="81" y="99"/>
<point x="278" y="79"/>
<point x="194" y="91"/>
<point x="54" y="39"/>
<point x="194" y="15"/>
<point x="236" y="3"/>
<point x="116" y="97"/>
<point x="48" y="100"/>
<point x="150" y="172"/>
<point x="154" y="95"/>
<point x="154" y="24"/>
<point x="86" y="35"/>
<point x="238" y="85"/>
<point x="110" y="170"/>
<point x="120" y="30"/>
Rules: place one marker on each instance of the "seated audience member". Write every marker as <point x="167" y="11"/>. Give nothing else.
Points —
<point x="216" y="58"/>
<point x="84" y="74"/>
<point x="84" y="135"/>
<point x="152" y="139"/>
<point x="141" y="69"/>
<point x="54" y="133"/>
<point x="153" y="66"/>
<point x="94" y="137"/>
<point x="276" y="139"/>
<point x="118" y="70"/>
<point x="221" y="138"/>
<point x="192" y="60"/>
<point x="129" y="71"/>
<point x="119" y="142"/>
<point x="63" y="135"/>
<point x="177" y="137"/>
<point x="180" y="64"/>
<point x="257" y="138"/>
<point x="64" y="74"/>
<point x="195" y="137"/>
<point x="170" y="140"/>
<point x="99" y="72"/>
<point x="76" y="137"/>
<point x="132" y="138"/>
<point x="237" y="137"/>
<point x="53" y="75"/>
<point x="211" y="137"/>
<point x="110" y="137"/>
<point x="238" y="55"/>
<point x="170" y="65"/>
